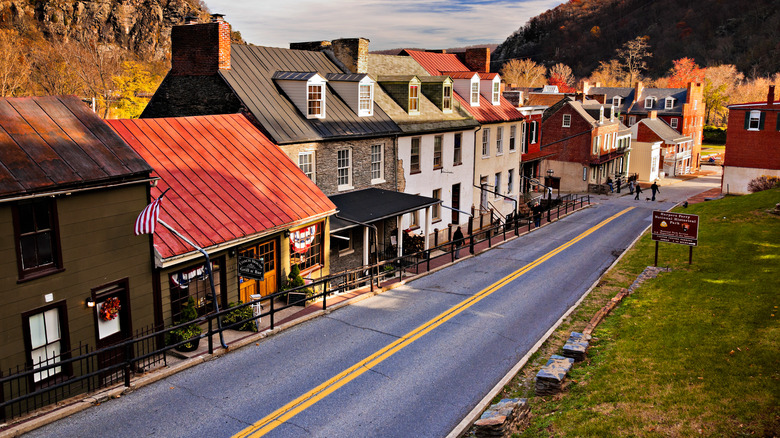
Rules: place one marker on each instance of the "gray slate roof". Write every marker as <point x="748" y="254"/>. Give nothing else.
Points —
<point x="251" y="77"/>
<point x="627" y="95"/>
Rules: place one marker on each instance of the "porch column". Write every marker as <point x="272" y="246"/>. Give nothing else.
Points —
<point x="366" y="247"/>
<point x="400" y="235"/>
<point x="427" y="228"/>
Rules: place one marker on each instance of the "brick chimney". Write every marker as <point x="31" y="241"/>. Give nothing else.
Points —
<point x="477" y="59"/>
<point x="770" y="95"/>
<point x="586" y="87"/>
<point x="652" y="115"/>
<point x="638" y="87"/>
<point x="200" y="49"/>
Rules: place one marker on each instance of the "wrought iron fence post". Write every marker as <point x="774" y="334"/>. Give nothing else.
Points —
<point x="272" y="312"/>
<point x="324" y="294"/>
<point x="427" y="260"/>
<point x="471" y="244"/>
<point x="128" y="363"/>
<point x="210" y="341"/>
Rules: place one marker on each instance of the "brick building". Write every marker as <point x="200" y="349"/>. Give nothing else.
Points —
<point x="676" y="149"/>
<point x="752" y="143"/>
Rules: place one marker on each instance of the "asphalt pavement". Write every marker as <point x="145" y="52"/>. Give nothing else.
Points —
<point x="439" y="344"/>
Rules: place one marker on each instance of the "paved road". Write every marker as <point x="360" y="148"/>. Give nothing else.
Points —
<point x="428" y="382"/>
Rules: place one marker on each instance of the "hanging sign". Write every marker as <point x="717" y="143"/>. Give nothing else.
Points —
<point x="301" y="240"/>
<point x="249" y="267"/>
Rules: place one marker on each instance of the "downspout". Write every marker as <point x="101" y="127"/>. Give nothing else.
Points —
<point x="474" y="164"/>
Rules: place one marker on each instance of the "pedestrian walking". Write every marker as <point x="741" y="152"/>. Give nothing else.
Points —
<point x="457" y="241"/>
<point x="618" y="183"/>
<point x="631" y="187"/>
<point x="537" y="215"/>
<point x="638" y="192"/>
<point x="654" y="189"/>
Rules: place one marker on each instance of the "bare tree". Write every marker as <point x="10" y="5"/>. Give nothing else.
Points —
<point x="51" y="72"/>
<point x="14" y="64"/>
<point x="523" y="73"/>
<point x="563" y="73"/>
<point x="608" y="74"/>
<point x="632" y="55"/>
<point x="96" y="65"/>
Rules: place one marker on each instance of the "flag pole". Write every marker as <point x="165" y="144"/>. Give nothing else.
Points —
<point x="208" y="270"/>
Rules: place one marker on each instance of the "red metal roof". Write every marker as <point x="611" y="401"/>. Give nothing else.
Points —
<point x="447" y="63"/>
<point x="227" y="180"/>
<point x="57" y="142"/>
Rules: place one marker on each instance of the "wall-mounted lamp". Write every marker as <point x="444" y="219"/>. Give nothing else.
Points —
<point x="90" y="302"/>
<point x="232" y="252"/>
<point x="286" y="233"/>
<point x="550" y="172"/>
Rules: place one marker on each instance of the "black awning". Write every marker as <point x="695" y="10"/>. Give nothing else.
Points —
<point x="371" y="205"/>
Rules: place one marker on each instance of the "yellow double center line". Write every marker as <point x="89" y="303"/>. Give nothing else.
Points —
<point x="291" y="409"/>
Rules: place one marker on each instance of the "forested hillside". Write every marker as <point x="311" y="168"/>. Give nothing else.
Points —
<point x="582" y="33"/>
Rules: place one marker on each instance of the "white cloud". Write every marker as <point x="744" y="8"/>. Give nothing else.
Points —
<point x="388" y="24"/>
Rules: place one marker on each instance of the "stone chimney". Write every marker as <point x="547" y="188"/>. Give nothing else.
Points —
<point x="353" y="53"/>
<point x="200" y="49"/>
<point x="477" y="59"/>
<point x="586" y="87"/>
<point x="638" y="87"/>
<point x="770" y="95"/>
<point x="652" y="115"/>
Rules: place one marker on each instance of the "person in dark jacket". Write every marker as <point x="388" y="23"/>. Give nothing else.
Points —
<point x="654" y="189"/>
<point x="537" y="210"/>
<point x="457" y="241"/>
<point x="638" y="191"/>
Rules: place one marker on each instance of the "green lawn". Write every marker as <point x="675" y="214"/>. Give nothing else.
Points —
<point x="693" y="352"/>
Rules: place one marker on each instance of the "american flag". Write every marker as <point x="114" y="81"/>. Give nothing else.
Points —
<point x="146" y="221"/>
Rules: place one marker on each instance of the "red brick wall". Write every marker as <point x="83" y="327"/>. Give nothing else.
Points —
<point x="576" y="149"/>
<point x="756" y="149"/>
<point x="200" y="49"/>
<point x="477" y="59"/>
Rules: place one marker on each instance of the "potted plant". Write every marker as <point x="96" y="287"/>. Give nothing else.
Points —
<point x="298" y="297"/>
<point x="188" y="313"/>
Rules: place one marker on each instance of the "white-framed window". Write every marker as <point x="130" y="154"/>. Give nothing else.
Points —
<point x="510" y="181"/>
<point x="437" y="142"/>
<point x="631" y="120"/>
<point x="649" y="102"/>
<point x="533" y="132"/>
<point x="341" y="242"/>
<point x="436" y="208"/>
<point x="475" y="93"/>
<point x="596" y="144"/>
<point x="414" y="159"/>
<point x="499" y="140"/>
<point x="46" y="341"/>
<point x="669" y="103"/>
<point x="344" y="168"/>
<point x="615" y="102"/>
<point x="496" y="93"/>
<point x="486" y="142"/>
<point x="306" y="164"/>
<point x="584" y="173"/>
<point x="446" y="103"/>
<point x="377" y="163"/>
<point x="567" y="120"/>
<point x="457" y="150"/>
<point x="498" y="183"/>
<point x="366" y="100"/>
<point x="414" y="99"/>
<point x="414" y="219"/>
<point x="754" y="121"/>
<point x="523" y="138"/>
<point x="673" y="122"/>
<point x="315" y="101"/>
<point x="512" y="135"/>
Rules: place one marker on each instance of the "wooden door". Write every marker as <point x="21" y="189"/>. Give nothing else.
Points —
<point x="268" y="251"/>
<point x="111" y="328"/>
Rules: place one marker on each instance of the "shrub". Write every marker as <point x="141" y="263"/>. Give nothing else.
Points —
<point x="763" y="182"/>
<point x="714" y="135"/>
<point x="241" y="314"/>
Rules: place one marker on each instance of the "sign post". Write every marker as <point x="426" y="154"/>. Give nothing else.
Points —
<point x="679" y="228"/>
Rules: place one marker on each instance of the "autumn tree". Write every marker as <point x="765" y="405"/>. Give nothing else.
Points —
<point x="633" y="55"/>
<point x="134" y="86"/>
<point x="562" y="73"/>
<point x="523" y="73"/>
<point x="14" y="64"/>
<point x="608" y="74"/>
<point x="51" y="74"/>
<point x="720" y="83"/>
<point x="685" y="70"/>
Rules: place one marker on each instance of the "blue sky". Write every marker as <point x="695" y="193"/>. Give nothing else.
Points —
<point x="389" y="24"/>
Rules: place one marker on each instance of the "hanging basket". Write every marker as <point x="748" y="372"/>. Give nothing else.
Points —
<point x="110" y="309"/>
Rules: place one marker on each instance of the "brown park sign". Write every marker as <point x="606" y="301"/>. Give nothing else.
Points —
<point x="675" y="228"/>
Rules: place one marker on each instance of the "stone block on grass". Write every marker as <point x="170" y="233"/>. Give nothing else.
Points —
<point x="549" y="380"/>
<point x="577" y="346"/>
<point x="502" y="419"/>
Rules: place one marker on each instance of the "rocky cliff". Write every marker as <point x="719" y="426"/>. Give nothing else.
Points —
<point x="141" y="26"/>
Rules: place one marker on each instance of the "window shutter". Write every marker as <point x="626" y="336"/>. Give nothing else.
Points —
<point x="747" y="120"/>
<point x="761" y="121"/>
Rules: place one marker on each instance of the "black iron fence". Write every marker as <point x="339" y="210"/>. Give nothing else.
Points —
<point x="85" y="369"/>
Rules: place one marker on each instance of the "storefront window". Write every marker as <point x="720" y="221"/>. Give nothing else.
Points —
<point x="194" y="282"/>
<point x="306" y="246"/>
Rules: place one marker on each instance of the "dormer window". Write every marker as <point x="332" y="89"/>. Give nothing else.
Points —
<point x="496" y="93"/>
<point x="366" y="100"/>
<point x="315" y="101"/>
<point x="649" y="102"/>
<point x="616" y="101"/>
<point x="446" y="103"/>
<point x="414" y="99"/>
<point x="475" y="93"/>
<point x="669" y="103"/>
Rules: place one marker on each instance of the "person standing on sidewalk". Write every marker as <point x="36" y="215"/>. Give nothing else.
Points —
<point x="631" y="187"/>
<point x="654" y="189"/>
<point x="457" y="241"/>
<point x="638" y="191"/>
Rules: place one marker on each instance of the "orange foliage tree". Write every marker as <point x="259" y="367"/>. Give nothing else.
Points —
<point x="684" y="71"/>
